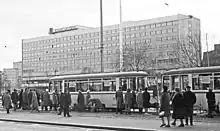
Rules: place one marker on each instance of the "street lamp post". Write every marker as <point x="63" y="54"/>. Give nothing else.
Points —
<point x="121" y="39"/>
<point x="101" y="36"/>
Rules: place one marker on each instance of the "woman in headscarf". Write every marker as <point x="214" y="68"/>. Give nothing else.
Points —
<point x="178" y="107"/>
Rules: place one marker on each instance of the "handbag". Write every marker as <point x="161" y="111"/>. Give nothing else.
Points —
<point x="162" y="114"/>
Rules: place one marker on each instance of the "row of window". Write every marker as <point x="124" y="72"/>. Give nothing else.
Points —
<point x="94" y="67"/>
<point x="96" y="34"/>
<point x="96" y="40"/>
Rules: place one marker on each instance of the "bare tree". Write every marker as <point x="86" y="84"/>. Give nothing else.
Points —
<point x="187" y="53"/>
<point x="135" y="58"/>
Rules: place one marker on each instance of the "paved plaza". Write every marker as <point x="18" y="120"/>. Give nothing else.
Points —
<point x="108" y="120"/>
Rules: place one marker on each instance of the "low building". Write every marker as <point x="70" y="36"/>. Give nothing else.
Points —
<point x="213" y="55"/>
<point x="10" y="79"/>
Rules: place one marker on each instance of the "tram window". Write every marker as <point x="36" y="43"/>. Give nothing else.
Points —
<point x="82" y="86"/>
<point x="217" y="83"/>
<point x="203" y="82"/>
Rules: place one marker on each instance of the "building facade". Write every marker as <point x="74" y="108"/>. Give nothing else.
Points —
<point x="164" y="43"/>
<point x="214" y="57"/>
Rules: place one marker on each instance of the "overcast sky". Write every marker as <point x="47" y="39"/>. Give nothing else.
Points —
<point x="22" y="19"/>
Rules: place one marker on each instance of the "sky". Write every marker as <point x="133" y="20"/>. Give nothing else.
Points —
<point x="22" y="19"/>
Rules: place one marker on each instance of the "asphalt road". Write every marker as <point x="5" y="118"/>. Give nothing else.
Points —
<point x="12" y="126"/>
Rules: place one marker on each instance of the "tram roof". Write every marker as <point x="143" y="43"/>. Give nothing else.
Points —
<point x="101" y="75"/>
<point x="210" y="69"/>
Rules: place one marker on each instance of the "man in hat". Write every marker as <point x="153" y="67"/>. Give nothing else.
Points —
<point x="189" y="100"/>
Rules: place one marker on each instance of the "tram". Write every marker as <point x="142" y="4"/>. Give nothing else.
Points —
<point x="199" y="78"/>
<point x="101" y="85"/>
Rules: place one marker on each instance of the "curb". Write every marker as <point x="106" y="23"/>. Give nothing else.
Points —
<point x="78" y="125"/>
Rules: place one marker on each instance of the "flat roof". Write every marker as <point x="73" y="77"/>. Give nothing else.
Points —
<point x="101" y="75"/>
<point x="211" y="69"/>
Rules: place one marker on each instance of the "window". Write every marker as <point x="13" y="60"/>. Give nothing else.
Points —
<point x="158" y="32"/>
<point x="137" y="35"/>
<point x="169" y="30"/>
<point x="164" y="31"/>
<point x="152" y="33"/>
<point x="174" y="29"/>
<point x="153" y="26"/>
<point x="169" y="23"/>
<point x="158" y="25"/>
<point x="201" y="81"/>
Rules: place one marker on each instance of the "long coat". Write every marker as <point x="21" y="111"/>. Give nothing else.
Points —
<point x="134" y="102"/>
<point x="46" y="99"/>
<point x="146" y="99"/>
<point x="7" y="101"/>
<point x="25" y="97"/>
<point x="81" y="101"/>
<point x="65" y="100"/>
<point x="165" y="103"/>
<point x="128" y="98"/>
<point x="119" y="98"/>
<point x="55" y="99"/>
<point x="34" y="101"/>
<point x="14" y="97"/>
<point x="140" y="100"/>
<point x="190" y="100"/>
<point x="178" y="106"/>
<point x="88" y="96"/>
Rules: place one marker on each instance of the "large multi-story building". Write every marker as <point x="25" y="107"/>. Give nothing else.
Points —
<point x="165" y="42"/>
<point x="214" y="57"/>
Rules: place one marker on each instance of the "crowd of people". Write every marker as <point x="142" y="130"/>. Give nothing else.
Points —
<point x="180" y="102"/>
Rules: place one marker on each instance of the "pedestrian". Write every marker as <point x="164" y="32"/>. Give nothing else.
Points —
<point x="80" y="101"/>
<point x="189" y="100"/>
<point x="178" y="107"/>
<point x="55" y="100"/>
<point x="119" y="100"/>
<point x="128" y="101"/>
<point x="46" y="99"/>
<point x="165" y="106"/>
<point x="88" y="96"/>
<point x="15" y="99"/>
<point x="134" y="102"/>
<point x="34" y="103"/>
<point x="7" y="102"/>
<point x="29" y="99"/>
<point x="140" y="101"/>
<point x="60" y="109"/>
<point x="25" y="99"/>
<point x="20" y="99"/>
<point x="146" y="99"/>
<point x="65" y="101"/>
<point x="210" y="96"/>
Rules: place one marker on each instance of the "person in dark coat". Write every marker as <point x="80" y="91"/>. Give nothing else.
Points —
<point x="80" y="101"/>
<point x="30" y="98"/>
<point x="20" y="99"/>
<point x="134" y="102"/>
<point x="25" y="99"/>
<point x="65" y="101"/>
<point x="210" y="96"/>
<point x="128" y="101"/>
<point x="165" y="106"/>
<point x="190" y="100"/>
<point x="46" y="100"/>
<point x="140" y="100"/>
<point x="7" y="101"/>
<point x="15" y="99"/>
<point x="178" y="107"/>
<point x="146" y="100"/>
<point x="119" y="100"/>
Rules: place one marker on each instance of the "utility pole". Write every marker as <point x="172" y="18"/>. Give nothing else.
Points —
<point x="207" y="45"/>
<point x="101" y="36"/>
<point x="121" y="39"/>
